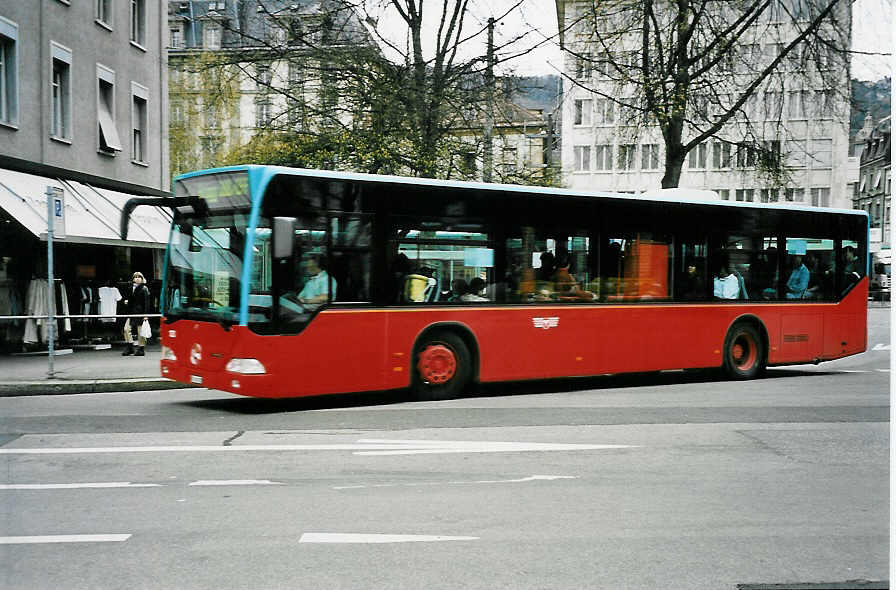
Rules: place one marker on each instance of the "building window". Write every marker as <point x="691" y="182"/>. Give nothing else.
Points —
<point x="61" y="92"/>
<point x="821" y="197"/>
<point x="263" y="77"/>
<point x="103" y="12"/>
<point x="211" y="35"/>
<point x="139" y="98"/>
<point x="746" y="156"/>
<point x="262" y="113"/>
<point x="721" y="155"/>
<point x="794" y="195"/>
<point x="177" y="112"/>
<point x="697" y="157"/>
<point x="627" y="157"/>
<point x="821" y="152"/>
<point x="138" y="22"/>
<point x="582" y="154"/>
<point x="604" y="111"/>
<point x="604" y="154"/>
<point x="650" y="156"/>
<point x="796" y="106"/>
<point x="583" y="67"/>
<point x="108" y="140"/>
<point x="743" y="194"/>
<point x="768" y="195"/>
<point x="723" y="193"/>
<point x="211" y="114"/>
<point x="9" y="82"/>
<point x="508" y="159"/>
<point x="583" y="112"/>
<point x="177" y="38"/>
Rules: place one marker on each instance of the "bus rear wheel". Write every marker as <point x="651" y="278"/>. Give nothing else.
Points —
<point x="442" y="367"/>
<point x="744" y="352"/>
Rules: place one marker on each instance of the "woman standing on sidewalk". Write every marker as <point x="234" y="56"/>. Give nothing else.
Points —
<point x="136" y="302"/>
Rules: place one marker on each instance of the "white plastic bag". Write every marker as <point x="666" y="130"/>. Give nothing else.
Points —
<point x="145" y="330"/>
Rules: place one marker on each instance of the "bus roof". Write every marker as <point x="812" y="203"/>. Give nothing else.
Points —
<point x="672" y="196"/>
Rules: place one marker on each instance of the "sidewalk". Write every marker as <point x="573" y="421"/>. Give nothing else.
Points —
<point x="83" y="371"/>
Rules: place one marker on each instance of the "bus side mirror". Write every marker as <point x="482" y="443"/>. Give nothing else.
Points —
<point x="284" y="237"/>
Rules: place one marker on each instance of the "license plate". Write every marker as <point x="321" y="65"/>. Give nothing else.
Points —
<point x="196" y="379"/>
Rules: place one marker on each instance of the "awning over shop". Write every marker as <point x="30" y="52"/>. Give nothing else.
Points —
<point x="92" y="215"/>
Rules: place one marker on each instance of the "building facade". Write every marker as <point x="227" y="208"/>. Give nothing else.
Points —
<point x="521" y="147"/>
<point x="875" y="188"/>
<point x="801" y="119"/>
<point x="83" y="108"/>
<point x="239" y="67"/>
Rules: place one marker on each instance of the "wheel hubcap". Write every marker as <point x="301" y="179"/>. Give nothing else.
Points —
<point x="437" y="364"/>
<point x="743" y="352"/>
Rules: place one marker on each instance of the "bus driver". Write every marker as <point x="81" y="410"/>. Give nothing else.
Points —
<point x="315" y="289"/>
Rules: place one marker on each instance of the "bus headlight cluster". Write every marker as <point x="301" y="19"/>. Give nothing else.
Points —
<point x="245" y="367"/>
<point x="168" y="354"/>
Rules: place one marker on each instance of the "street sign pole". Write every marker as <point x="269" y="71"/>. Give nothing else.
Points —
<point x="51" y="295"/>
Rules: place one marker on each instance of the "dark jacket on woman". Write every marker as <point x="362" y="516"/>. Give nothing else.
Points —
<point x="138" y="299"/>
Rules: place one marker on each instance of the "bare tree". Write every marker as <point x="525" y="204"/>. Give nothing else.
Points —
<point x="334" y="84"/>
<point x="701" y="69"/>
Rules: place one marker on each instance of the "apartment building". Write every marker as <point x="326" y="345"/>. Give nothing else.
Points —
<point x="800" y="117"/>
<point x="875" y="187"/>
<point x="83" y="108"/>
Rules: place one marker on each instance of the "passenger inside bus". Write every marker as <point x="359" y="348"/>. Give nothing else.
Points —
<point x="566" y="287"/>
<point x="799" y="278"/>
<point x="475" y="291"/>
<point x="458" y="290"/>
<point x="726" y="284"/>
<point x="851" y="268"/>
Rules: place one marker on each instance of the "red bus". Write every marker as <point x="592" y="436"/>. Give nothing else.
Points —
<point x="284" y="282"/>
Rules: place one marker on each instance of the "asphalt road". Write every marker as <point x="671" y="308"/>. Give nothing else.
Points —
<point x="677" y="480"/>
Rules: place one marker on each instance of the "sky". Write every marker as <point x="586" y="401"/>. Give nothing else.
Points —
<point x="873" y="32"/>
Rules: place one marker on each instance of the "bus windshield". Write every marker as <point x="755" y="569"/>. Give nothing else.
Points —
<point x="205" y="257"/>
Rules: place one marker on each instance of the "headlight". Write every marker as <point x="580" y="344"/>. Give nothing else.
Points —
<point x="245" y="366"/>
<point x="168" y="354"/>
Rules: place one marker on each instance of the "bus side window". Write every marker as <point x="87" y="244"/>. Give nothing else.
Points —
<point x="351" y="259"/>
<point x="809" y="269"/>
<point x="550" y="266"/>
<point x="690" y="271"/>
<point x="635" y="267"/>
<point x="851" y="266"/>
<point x="442" y="261"/>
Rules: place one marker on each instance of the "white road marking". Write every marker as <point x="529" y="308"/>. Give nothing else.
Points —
<point x="425" y="447"/>
<point x="459" y="483"/>
<point x="881" y="347"/>
<point x="362" y="447"/>
<point x="883" y="370"/>
<point x="371" y="538"/>
<point x="850" y="371"/>
<point x="235" y="482"/>
<point x="76" y="486"/>
<point x="64" y="539"/>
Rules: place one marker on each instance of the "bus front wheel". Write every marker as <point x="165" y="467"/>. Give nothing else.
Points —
<point x="744" y="352"/>
<point x="442" y="366"/>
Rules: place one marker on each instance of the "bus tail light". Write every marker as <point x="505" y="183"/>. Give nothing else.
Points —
<point x="245" y="366"/>
<point x="168" y="354"/>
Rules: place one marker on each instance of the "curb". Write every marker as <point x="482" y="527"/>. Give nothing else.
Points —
<point x="58" y="387"/>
